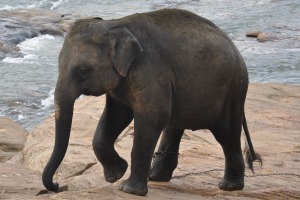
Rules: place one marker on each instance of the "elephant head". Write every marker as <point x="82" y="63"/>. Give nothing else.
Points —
<point x="95" y="56"/>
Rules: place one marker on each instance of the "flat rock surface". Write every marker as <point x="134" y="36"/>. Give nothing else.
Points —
<point x="18" y="182"/>
<point x="273" y="114"/>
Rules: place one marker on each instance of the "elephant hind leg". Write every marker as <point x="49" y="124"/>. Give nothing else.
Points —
<point x="228" y="133"/>
<point x="166" y="158"/>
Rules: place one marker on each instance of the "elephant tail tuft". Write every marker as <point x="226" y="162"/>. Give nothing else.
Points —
<point x="251" y="156"/>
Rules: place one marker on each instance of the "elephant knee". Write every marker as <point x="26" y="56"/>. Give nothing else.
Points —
<point x="99" y="147"/>
<point x="104" y="150"/>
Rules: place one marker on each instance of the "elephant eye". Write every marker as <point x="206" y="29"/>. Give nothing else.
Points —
<point x="83" y="72"/>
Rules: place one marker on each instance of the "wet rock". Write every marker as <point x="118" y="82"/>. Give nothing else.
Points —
<point x="253" y="33"/>
<point x="52" y="30"/>
<point x="262" y="36"/>
<point x="19" y="25"/>
<point x="265" y="36"/>
<point x="12" y="138"/>
<point x="9" y="50"/>
<point x="19" y="36"/>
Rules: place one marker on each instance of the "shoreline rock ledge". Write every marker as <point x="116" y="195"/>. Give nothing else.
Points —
<point x="21" y="24"/>
<point x="273" y="115"/>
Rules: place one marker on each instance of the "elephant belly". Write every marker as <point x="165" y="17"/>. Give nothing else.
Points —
<point x="194" y="122"/>
<point x="197" y="110"/>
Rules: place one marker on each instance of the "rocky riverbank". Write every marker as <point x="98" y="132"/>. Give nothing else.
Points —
<point x="21" y="24"/>
<point x="273" y="115"/>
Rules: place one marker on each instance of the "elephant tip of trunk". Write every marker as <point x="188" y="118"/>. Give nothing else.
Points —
<point x="50" y="185"/>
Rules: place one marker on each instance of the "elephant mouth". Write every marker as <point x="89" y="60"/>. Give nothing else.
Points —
<point x="92" y="93"/>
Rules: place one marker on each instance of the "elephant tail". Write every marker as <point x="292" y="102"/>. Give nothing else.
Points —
<point x="251" y="156"/>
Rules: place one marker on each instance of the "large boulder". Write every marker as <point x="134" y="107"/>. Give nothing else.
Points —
<point x="12" y="138"/>
<point x="273" y="115"/>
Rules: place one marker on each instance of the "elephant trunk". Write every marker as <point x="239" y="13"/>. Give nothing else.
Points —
<point x="63" y="121"/>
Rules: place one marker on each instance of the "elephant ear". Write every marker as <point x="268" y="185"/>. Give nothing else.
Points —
<point x="125" y="48"/>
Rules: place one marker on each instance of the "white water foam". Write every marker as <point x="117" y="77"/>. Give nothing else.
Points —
<point x="29" y="47"/>
<point x="21" y="117"/>
<point x="57" y="3"/>
<point x="6" y="7"/>
<point x="26" y="59"/>
<point x="45" y="4"/>
<point x="34" y="44"/>
<point x="31" y="6"/>
<point x="49" y="101"/>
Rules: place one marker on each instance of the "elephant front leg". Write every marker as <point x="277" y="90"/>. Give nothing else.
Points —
<point x="115" y="118"/>
<point x="145" y="138"/>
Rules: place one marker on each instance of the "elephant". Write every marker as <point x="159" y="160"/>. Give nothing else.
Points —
<point x="166" y="70"/>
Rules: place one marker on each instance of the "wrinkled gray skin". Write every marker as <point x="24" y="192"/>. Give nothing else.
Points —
<point x="168" y="70"/>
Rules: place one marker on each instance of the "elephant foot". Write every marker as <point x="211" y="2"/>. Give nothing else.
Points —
<point x="164" y="163"/>
<point x="116" y="171"/>
<point x="231" y="185"/>
<point x="132" y="187"/>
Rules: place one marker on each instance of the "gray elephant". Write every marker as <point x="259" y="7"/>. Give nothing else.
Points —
<point x="169" y="70"/>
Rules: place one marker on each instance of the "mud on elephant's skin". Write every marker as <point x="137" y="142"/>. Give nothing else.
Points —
<point x="169" y="70"/>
